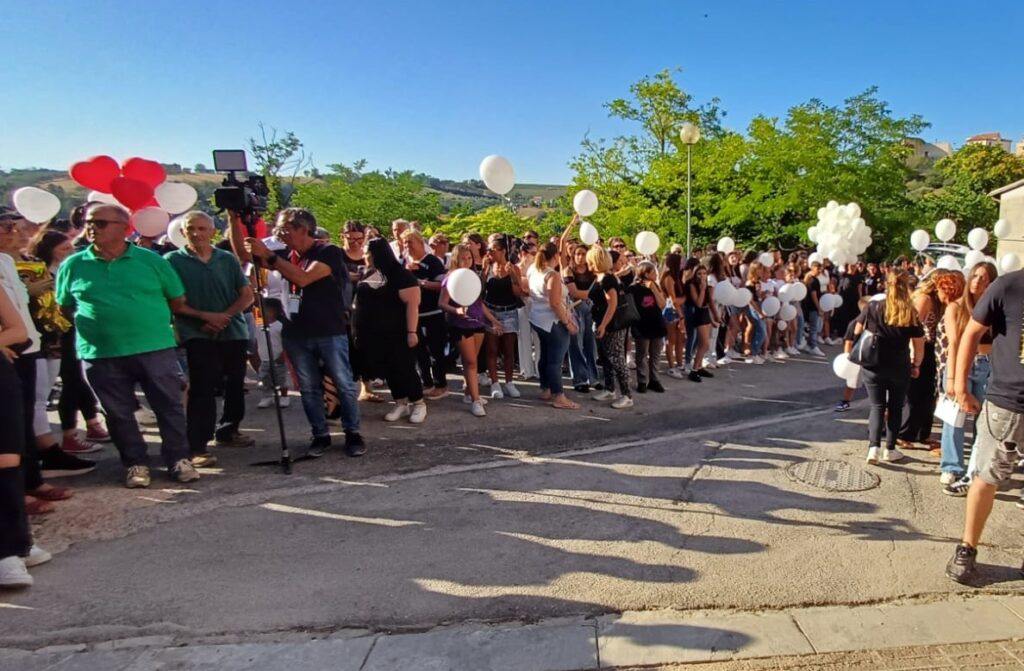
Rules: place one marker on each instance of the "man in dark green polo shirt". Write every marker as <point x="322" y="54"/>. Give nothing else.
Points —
<point x="214" y="334"/>
<point x="120" y="295"/>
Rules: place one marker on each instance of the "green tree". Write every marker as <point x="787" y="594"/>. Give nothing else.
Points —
<point x="280" y="159"/>
<point x="496" y="219"/>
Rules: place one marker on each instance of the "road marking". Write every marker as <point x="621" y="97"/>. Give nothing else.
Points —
<point x="775" y="400"/>
<point x="353" y="483"/>
<point x="375" y="521"/>
<point x="602" y="419"/>
<point x="14" y="606"/>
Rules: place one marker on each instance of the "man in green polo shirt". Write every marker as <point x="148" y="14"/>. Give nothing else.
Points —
<point x="214" y="334"/>
<point x="120" y="296"/>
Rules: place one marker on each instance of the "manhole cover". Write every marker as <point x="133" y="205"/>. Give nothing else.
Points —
<point x="835" y="476"/>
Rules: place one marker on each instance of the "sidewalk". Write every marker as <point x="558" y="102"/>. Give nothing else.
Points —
<point x="982" y="632"/>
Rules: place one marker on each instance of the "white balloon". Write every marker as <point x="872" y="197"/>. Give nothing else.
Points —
<point x="781" y="325"/>
<point x="919" y="240"/>
<point x="647" y="242"/>
<point x="973" y="258"/>
<point x="815" y="257"/>
<point x="1009" y="263"/>
<point x="853" y="210"/>
<point x="1002" y="228"/>
<point x="945" y="229"/>
<point x="841" y="365"/>
<point x="176" y="234"/>
<point x="812" y="233"/>
<point x="99" y="197"/>
<point x="175" y="197"/>
<point x="35" y="204"/>
<point x="585" y="202"/>
<point x="497" y="174"/>
<point x="832" y="205"/>
<point x="826" y="302"/>
<point x="588" y="234"/>
<point x="948" y="262"/>
<point x="771" y="306"/>
<point x="798" y="292"/>
<point x="742" y="298"/>
<point x="767" y="259"/>
<point x="785" y="293"/>
<point x="837" y="301"/>
<point x="151" y="222"/>
<point x="725" y="293"/>
<point x="977" y="238"/>
<point x="787" y="312"/>
<point x="726" y="245"/>
<point x="463" y="286"/>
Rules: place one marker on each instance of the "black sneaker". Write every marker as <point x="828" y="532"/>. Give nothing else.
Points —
<point x="961" y="567"/>
<point x="641" y="388"/>
<point x="959" y="488"/>
<point x="354" y="445"/>
<point x="694" y="376"/>
<point x="582" y="388"/>
<point x="318" y="446"/>
<point x="704" y="372"/>
<point x="656" y="387"/>
<point x="842" y="406"/>
<point x="56" y="463"/>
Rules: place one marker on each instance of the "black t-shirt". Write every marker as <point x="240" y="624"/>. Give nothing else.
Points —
<point x="322" y="309"/>
<point x="581" y="280"/>
<point x="596" y="294"/>
<point x="893" y="341"/>
<point x="431" y="269"/>
<point x="1002" y="309"/>
<point x="651" y="324"/>
<point x="850" y="336"/>
<point x="380" y="311"/>
<point x="848" y="288"/>
<point x="693" y="290"/>
<point x="813" y="291"/>
<point x="873" y="285"/>
<point x="354" y="266"/>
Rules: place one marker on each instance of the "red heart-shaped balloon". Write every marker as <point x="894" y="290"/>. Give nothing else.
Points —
<point x="132" y="193"/>
<point x="96" y="174"/>
<point x="144" y="170"/>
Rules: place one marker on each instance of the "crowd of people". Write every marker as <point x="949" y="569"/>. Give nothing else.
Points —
<point x="183" y="326"/>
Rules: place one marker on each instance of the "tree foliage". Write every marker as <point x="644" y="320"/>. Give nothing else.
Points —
<point x="280" y="159"/>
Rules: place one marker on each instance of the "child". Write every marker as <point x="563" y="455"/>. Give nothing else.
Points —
<point x="272" y="318"/>
<point x="848" y="340"/>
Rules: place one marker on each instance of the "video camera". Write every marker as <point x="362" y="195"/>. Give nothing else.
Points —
<point x="248" y="198"/>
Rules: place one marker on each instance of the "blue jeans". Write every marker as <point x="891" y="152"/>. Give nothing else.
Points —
<point x="952" y="437"/>
<point x="583" y="348"/>
<point x="760" y="332"/>
<point x="114" y="379"/>
<point x="306" y="355"/>
<point x="813" y="328"/>
<point x="553" y="345"/>
<point x="799" y="327"/>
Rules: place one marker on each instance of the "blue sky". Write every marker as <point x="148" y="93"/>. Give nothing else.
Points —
<point x="434" y="87"/>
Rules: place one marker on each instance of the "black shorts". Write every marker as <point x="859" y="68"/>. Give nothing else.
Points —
<point x="700" y="317"/>
<point x="458" y="333"/>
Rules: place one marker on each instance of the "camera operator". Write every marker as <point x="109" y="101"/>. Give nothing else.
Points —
<point x="315" y="326"/>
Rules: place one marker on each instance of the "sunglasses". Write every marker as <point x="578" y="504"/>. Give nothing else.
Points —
<point x="103" y="223"/>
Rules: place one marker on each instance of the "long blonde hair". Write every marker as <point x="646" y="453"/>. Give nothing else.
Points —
<point x="899" y="305"/>
<point x="966" y="302"/>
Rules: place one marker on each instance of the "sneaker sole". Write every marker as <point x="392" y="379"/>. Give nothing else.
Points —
<point x="90" y="450"/>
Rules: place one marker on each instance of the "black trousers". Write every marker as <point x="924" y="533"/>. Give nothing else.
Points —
<point x="393" y="357"/>
<point x="917" y="424"/>
<point x="212" y="363"/>
<point x="886" y="393"/>
<point x="433" y="334"/>
<point x="15" y="537"/>
<point x="75" y="395"/>
<point x="25" y="366"/>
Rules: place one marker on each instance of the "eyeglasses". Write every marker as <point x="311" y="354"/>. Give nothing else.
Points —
<point x="103" y="223"/>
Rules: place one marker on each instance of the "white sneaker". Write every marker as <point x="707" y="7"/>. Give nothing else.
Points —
<point x="631" y="360"/>
<point x="265" y="402"/>
<point x="802" y="347"/>
<point x="623" y="402"/>
<point x="758" y="359"/>
<point x="13" y="573"/>
<point x="418" y="412"/>
<point x="872" y="455"/>
<point x="676" y="373"/>
<point x="948" y="478"/>
<point x="483" y="380"/>
<point x="467" y="399"/>
<point x="892" y="456"/>
<point x="398" y="412"/>
<point x="285" y="401"/>
<point x="792" y="351"/>
<point x="603" y="395"/>
<point x="816" y="352"/>
<point x="510" y="390"/>
<point x="184" y="471"/>
<point x="724" y="361"/>
<point x="781" y="354"/>
<point x="710" y="363"/>
<point x="478" y="409"/>
<point x="496" y="391"/>
<point x="36" y="556"/>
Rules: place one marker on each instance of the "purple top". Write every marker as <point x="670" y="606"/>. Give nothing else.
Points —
<point x="474" y="318"/>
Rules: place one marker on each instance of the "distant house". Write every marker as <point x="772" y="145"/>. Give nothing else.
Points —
<point x="1011" y="208"/>
<point x="990" y="140"/>
<point x="928" y="150"/>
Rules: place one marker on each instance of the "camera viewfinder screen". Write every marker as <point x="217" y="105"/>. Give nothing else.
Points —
<point x="225" y="160"/>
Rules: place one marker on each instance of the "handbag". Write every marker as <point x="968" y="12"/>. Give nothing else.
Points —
<point x="626" y="313"/>
<point x="865" y="350"/>
<point x="949" y="412"/>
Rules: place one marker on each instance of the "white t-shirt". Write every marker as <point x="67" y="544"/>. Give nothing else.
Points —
<point x="18" y="294"/>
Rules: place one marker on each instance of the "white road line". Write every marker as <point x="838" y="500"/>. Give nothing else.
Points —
<point x="775" y="400"/>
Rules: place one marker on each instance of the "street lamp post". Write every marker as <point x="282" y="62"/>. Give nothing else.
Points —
<point x="690" y="135"/>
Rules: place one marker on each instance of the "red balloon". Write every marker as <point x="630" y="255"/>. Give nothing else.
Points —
<point x="144" y="170"/>
<point x="96" y="174"/>
<point x="132" y="193"/>
<point x="261" y="228"/>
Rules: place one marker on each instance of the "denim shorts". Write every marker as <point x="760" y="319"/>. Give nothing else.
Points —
<point x="1000" y="436"/>
<point x="509" y="319"/>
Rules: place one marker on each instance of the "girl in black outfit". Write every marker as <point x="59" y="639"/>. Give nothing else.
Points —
<point x="699" y="314"/>
<point x="649" y="332"/>
<point x="895" y="324"/>
<point x="921" y="396"/>
<point x="611" y="344"/>
<point x="503" y="291"/>
<point x="386" y="316"/>
<point x="353" y="242"/>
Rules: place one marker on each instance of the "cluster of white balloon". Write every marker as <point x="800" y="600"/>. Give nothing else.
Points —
<point x="977" y="240"/>
<point x="841" y="234"/>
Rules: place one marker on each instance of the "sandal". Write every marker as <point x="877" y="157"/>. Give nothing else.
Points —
<point x="38" y="507"/>
<point x="52" y="493"/>
<point x="565" y="405"/>
<point x="371" y="397"/>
